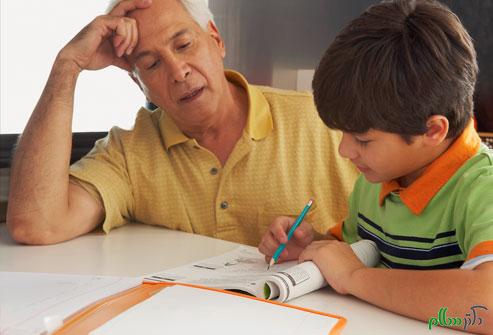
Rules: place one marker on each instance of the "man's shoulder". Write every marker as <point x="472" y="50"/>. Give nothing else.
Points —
<point x="282" y="94"/>
<point x="291" y="106"/>
<point x="146" y="118"/>
<point x="146" y="126"/>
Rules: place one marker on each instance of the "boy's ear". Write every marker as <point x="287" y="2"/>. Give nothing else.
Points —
<point x="436" y="130"/>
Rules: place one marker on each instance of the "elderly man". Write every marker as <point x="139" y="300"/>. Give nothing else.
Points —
<point x="219" y="157"/>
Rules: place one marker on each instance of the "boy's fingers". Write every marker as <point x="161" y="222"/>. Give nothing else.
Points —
<point x="280" y="227"/>
<point x="268" y="245"/>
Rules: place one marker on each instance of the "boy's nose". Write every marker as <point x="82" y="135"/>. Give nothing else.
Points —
<point x="347" y="148"/>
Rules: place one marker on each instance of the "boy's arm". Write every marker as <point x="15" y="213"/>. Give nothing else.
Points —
<point x="421" y="294"/>
<point x="416" y="294"/>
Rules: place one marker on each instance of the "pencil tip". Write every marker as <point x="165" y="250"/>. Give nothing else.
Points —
<point x="272" y="262"/>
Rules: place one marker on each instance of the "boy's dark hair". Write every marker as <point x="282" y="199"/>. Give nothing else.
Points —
<point x="396" y="65"/>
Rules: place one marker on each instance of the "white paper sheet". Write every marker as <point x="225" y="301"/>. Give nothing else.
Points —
<point x="32" y="303"/>
<point x="186" y="310"/>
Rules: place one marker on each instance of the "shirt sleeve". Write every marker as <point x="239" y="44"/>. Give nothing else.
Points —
<point x="475" y="230"/>
<point x="103" y="170"/>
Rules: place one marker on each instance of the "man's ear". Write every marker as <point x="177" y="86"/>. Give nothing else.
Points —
<point x="436" y="130"/>
<point x="216" y="36"/>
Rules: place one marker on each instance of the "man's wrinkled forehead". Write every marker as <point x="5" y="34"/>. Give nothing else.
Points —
<point x="158" y="9"/>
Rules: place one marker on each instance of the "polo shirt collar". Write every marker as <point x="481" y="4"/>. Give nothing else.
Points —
<point x="417" y="195"/>
<point x="259" y="120"/>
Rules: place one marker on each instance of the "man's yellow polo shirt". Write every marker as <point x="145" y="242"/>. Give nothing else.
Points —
<point x="156" y="175"/>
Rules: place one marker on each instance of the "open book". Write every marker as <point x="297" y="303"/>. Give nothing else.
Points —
<point x="244" y="270"/>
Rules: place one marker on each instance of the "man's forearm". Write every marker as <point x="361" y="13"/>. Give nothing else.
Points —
<point x="39" y="172"/>
<point x="421" y="294"/>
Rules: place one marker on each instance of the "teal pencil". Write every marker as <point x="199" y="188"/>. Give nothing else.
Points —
<point x="281" y="247"/>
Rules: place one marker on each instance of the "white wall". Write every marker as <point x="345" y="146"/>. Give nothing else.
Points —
<point x="32" y="33"/>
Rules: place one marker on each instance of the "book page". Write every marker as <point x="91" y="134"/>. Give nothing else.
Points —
<point x="294" y="282"/>
<point x="34" y="303"/>
<point x="245" y="269"/>
<point x="189" y="310"/>
<point x="242" y="269"/>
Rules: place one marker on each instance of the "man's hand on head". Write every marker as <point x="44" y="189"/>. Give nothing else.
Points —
<point x="125" y="37"/>
<point x="106" y="40"/>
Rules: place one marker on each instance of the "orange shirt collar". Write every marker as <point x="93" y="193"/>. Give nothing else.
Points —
<point x="417" y="195"/>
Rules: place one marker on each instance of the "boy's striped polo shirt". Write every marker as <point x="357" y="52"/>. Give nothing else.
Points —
<point x="443" y="220"/>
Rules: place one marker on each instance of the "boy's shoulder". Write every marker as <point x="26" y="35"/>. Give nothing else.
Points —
<point x="479" y="164"/>
<point x="475" y="173"/>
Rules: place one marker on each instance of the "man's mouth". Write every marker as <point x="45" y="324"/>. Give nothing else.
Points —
<point x="192" y="95"/>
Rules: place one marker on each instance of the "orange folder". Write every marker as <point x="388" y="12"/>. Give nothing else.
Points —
<point x="98" y="313"/>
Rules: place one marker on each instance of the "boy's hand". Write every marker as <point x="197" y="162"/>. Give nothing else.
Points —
<point x="278" y="233"/>
<point x="336" y="260"/>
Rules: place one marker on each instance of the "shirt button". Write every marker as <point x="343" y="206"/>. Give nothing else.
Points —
<point x="224" y="205"/>
<point x="213" y="171"/>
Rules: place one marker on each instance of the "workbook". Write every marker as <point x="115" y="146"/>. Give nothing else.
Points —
<point x="244" y="270"/>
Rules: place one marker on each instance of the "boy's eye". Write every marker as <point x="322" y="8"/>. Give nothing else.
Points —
<point x="363" y="143"/>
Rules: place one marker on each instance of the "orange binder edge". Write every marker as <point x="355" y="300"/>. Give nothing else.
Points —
<point x="100" y="312"/>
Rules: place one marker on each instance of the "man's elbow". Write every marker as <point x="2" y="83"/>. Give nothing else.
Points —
<point x="29" y="231"/>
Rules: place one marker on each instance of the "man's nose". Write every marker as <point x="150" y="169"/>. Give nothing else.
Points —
<point x="179" y="69"/>
<point x="347" y="147"/>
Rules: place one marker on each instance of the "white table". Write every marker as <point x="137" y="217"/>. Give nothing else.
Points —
<point x="135" y="249"/>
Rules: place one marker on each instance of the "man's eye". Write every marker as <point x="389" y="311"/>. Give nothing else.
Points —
<point x="153" y="65"/>
<point x="183" y="46"/>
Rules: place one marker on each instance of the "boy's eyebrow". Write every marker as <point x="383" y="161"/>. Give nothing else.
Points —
<point x="175" y="35"/>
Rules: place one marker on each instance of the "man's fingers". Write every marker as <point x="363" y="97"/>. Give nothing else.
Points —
<point x="126" y="42"/>
<point x="117" y="41"/>
<point x="125" y="6"/>
<point x="124" y="36"/>
<point x="134" y="37"/>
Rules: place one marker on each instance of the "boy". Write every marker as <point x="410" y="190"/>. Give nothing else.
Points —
<point x="399" y="83"/>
